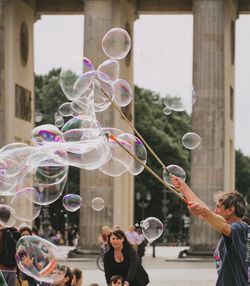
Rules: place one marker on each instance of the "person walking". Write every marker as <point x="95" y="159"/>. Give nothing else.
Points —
<point x="232" y="259"/>
<point x="122" y="259"/>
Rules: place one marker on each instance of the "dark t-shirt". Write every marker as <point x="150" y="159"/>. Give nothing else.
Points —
<point x="230" y="257"/>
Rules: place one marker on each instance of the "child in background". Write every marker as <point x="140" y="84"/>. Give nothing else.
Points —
<point x="77" y="277"/>
<point x="116" y="280"/>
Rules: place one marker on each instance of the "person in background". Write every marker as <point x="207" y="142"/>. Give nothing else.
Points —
<point x="103" y="238"/>
<point x="141" y="242"/>
<point x="77" y="277"/>
<point x="122" y="259"/>
<point x="116" y="280"/>
<point x="231" y="254"/>
<point x="66" y="280"/>
<point x="132" y="235"/>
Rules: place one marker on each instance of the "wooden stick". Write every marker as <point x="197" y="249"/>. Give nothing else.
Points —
<point x="150" y="171"/>
<point x="136" y="132"/>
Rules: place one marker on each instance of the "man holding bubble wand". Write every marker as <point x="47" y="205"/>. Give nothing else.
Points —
<point x="232" y="252"/>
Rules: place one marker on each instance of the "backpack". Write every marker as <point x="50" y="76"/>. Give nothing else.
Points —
<point x="8" y="240"/>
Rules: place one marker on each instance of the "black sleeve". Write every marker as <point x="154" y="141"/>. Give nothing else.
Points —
<point x="133" y="262"/>
<point x="107" y="266"/>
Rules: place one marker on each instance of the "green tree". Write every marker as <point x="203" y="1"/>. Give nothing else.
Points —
<point x="163" y="133"/>
<point x="242" y="176"/>
<point x="49" y="96"/>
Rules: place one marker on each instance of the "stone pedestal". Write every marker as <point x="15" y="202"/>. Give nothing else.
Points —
<point x="212" y="167"/>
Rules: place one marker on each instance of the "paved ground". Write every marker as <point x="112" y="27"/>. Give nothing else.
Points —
<point x="173" y="272"/>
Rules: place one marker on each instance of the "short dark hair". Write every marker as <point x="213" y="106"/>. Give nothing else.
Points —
<point x="78" y="273"/>
<point x="68" y="274"/>
<point x="233" y="199"/>
<point x="25" y="228"/>
<point x="115" y="278"/>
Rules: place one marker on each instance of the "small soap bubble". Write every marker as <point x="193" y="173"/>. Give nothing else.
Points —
<point x="191" y="140"/>
<point x="72" y="202"/>
<point x="152" y="228"/>
<point x="173" y="170"/>
<point x="97" y="204"/>
<point x="116" y="43"/>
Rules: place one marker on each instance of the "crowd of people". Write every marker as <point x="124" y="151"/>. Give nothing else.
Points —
<point x="123" y="251"/>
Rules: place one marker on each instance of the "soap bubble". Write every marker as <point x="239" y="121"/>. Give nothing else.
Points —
<point x="111" y="68"/>
<point x="173" y="170"/>
<point x="70" y="73"/>
<point x="38" y="116"/>
<point x="72" y="202"/>
<point x="167" y="111"/>
<point x="7" y="218"/>
<point x="25" y="209"/>
<point x="152" y="228"/>
<point x="123" y="92"/>
<point x="191" y="140"/>
<point x="39" y="259"/>
<point x="97" y="204"/>
<point x="116" y="43"/>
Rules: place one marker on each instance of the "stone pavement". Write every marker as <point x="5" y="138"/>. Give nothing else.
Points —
<point x="164" y="270"/>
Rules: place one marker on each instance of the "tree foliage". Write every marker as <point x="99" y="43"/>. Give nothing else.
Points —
<point x="49" y="97"/>
<point x="164" y="135"/>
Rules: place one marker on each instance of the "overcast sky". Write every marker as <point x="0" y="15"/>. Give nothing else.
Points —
<point x="162" y="56"/>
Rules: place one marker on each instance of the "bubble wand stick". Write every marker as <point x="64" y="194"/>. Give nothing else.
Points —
<point x="150" y="170"/>
<point x="136" y="132"/>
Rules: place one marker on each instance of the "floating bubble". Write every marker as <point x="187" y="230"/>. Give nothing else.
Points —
<point x="167" y="111"/>
<point x="138" y="149"/>
<point x="38" y="117"/>
<point x="173" y="170"/>
<point x="194" y="96"/>
<point x="116" y="43"/>
<point x="111" y="68"/>
<point x="7" y="218"/>
<point x="25" y="209"/>
<point x="70" y="73"/>
<point x="46" y="133"/>
<point x="120" y="161"/>
<point x="179" y="98"/>
<point x="152" y="228"/>
<point x="65" y="109"/>
<point x="59" y="121"/>
<point x="123" y="92"/>
<point x="97" y="204"/>
<point x="39" y="259"/>
<point x="72" y="202"/>
<point x="191" y="140"/>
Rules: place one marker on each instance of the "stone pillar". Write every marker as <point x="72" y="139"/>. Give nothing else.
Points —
<point x="212" y="164"/>
<point x="2" y="67"/>
<point x="16" y="74"/>
<point x="118" y="193"/>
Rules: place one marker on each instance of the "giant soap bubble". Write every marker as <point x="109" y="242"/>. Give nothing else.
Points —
<point x="39" y="259"/>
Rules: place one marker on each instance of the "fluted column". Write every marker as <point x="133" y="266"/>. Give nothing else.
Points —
<point x="2" y="68"/>
<point x="212" y="167"/>
<point x="100" y="17"/>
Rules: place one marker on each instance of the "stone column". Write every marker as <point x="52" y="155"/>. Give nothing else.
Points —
<point x="212" y="167"/>
<point x="2" y="67"/>
<point x="118" y="193"/>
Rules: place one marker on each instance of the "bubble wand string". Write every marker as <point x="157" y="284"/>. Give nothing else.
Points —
<point x="149" y="170"/>
<point x="136" y="132"/>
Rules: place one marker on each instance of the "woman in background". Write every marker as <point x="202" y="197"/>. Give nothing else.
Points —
<point x="122" y="259"/>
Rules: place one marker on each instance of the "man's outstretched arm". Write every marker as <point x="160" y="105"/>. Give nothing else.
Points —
<point x="199" y="208"/>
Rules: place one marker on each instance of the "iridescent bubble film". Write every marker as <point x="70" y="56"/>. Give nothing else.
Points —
<point x="72" y="202"/>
